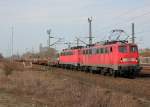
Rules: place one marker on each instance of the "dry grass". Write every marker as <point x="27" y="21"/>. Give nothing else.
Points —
<point x="54" y="89"/>
<point x="10" y="66"/>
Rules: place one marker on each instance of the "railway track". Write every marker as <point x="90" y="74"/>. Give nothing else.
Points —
<point x="146" y="68"/>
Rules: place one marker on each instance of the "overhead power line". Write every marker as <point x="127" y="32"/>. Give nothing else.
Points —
<point x="144" y="14"/>
<point x="12" y="48"/>
<point x="128" y="20"/>
<point x="128" y="12"/>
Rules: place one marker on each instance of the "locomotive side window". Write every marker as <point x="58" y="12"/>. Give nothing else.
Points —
<point x="66" y="53"/>
<point x="106" y="50"/>
<point x="71" y="53"/>
<point x="83" y="52"/>
<point x="60" y="54"/>
<point x="86" y="51"/>
<point x="133" y="49"/>
<point x="94" y="51"/>
<point x="123" y="49"/>
<point x="102" y="50"/>
<point x="97" y="50"/>
<point x="90" y="51"/>
<point x="110" y="49"/>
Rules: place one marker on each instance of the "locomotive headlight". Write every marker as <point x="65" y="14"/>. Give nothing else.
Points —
<point x="137" y="60"/>
<point x="121" y="60"/>
<point x="125" y="59"/>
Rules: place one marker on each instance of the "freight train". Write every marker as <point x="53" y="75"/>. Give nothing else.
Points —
<point x="114" y="58"/>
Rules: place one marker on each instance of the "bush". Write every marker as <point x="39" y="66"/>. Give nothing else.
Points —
<point x="8" y="68"/>
<point x="1" y="56"/>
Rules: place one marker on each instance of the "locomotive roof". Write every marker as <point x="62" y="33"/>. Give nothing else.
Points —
<point x="99" y="44"/>
<point x="73" y="48"/>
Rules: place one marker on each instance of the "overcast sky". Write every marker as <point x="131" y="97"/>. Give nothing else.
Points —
<point x="67" y="19"/>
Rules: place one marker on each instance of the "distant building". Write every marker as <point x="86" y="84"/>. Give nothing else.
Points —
<point x="46" y="51"/>
<point x="43" y="49"/>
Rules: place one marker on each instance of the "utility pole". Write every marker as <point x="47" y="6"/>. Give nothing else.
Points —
<point x="12" y="41"/>
<point x="77" y="42"/>
<point x="49" y="36"/>
<point x="133" y="33"/>
<point x="90" y="30"/>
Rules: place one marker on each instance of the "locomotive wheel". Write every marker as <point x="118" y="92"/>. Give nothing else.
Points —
<point x="82" y="68"/>
<point x="78" y="68"/>
<point x="99" y="71"/>
<point x="90" y="70"/>
<point x="103" y="72"/>
<point x="133" y="74"/>
<point x="86" y="69"/>
<point x="110" y="72"/>
<point x="72" y="68"/>
<point x="115" y="73"/>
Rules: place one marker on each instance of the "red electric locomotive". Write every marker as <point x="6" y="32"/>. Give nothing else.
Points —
<point x="114" y="58"/>
<point x="69" y="58"/>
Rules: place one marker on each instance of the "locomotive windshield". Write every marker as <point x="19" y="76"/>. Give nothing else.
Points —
<point x="123" y="49"/>
<point x="133" y="49"/>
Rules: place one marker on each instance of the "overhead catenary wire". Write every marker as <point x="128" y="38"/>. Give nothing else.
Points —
<point x="125" y="21"/>
<point x="144" y="14"/>
<point x="129" y="12"/>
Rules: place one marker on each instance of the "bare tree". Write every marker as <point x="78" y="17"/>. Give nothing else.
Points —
<point x="1" y="56"/>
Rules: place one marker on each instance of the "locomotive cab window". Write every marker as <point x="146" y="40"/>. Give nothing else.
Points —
<point x="133" y="49"/>
<point x="123" y="49"/>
